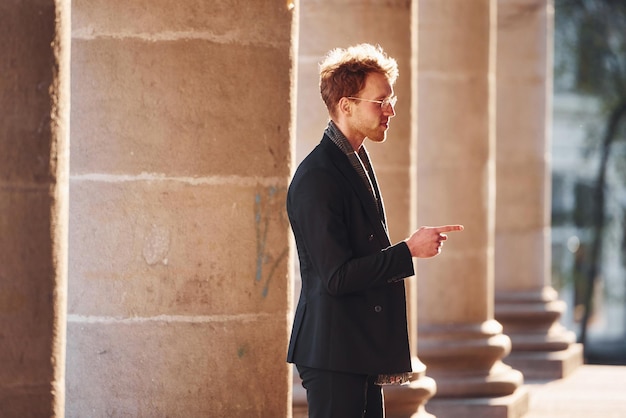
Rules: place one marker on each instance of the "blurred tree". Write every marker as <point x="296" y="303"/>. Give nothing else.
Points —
<point x="594" y="32"/>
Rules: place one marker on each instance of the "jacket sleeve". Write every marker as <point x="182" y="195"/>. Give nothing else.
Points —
<point x="334" y="237"/>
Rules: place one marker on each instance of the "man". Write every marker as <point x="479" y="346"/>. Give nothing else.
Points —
<point x="350" y="328"/>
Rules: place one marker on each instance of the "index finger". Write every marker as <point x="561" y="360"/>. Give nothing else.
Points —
<point x="448" y="228"/>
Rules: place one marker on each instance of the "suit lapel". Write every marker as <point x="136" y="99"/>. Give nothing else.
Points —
<point x="379" y="197"/>
<point x="367" y="200"/>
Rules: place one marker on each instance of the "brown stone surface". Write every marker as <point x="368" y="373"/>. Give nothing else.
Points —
<point x="33" y="206"/>
<point x="28" y="70"/>
<point x="179" y="242"/>
<point x="185" y="367"/>
<point x="547" y="364"/>
<point x="525" y="303"/>
<point x="459" y="340"/>
<point x="217" y="20"/>
<point x="171" y="248"/>
<point x="137" y="111"/>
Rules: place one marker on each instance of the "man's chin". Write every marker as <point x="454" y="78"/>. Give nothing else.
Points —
<point x="378" y="138"/>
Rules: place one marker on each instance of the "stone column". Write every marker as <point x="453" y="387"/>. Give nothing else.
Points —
<point x="34" y="101"/>
<point x="330" y="24"/>
<point x="179" y="241"/>
<point x="459" y="340"/>
<point x="526" y="304"/>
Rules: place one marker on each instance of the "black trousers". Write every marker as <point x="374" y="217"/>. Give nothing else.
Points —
<point x="341" y="395"/>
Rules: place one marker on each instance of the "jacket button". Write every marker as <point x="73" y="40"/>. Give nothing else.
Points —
<point x="378" y="308"/>
<point x="371" y="237"/>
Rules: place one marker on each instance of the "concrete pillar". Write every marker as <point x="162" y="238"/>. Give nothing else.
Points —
<point x="459" y="340"/>
<point x="34" y="102"/>
<point x="526" y="304"/>
<point x="325" y="25"/>
<point x="179" y="244"/>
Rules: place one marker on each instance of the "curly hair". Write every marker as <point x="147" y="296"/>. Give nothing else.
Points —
<point x="343" y="71"/>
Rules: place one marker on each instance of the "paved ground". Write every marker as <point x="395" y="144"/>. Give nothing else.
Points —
<point x="592" y="391"/>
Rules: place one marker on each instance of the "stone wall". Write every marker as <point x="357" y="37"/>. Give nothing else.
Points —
<point x="181" y="153"/>
<point x="34" y="103"/>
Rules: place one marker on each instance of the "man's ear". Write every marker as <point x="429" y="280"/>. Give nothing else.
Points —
<point x="344" y="106"/>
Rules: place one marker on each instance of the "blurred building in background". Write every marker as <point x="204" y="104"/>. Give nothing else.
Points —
<point x="589" y="119"/>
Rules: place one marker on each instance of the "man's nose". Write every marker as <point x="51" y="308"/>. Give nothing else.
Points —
<point x="389" y="110"/>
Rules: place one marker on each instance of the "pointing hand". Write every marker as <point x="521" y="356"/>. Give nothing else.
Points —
<point x="427" y="241"/>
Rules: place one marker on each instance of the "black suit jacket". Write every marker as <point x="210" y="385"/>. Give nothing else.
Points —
<point x="351" y="315"/>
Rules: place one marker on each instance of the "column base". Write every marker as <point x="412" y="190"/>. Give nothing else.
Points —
<point x="541" y="347"/>
<point x="511" y="406"/>
<point x="465" y="360"/>
<point x="550" y="365"/>
<point x="407" y="401"/>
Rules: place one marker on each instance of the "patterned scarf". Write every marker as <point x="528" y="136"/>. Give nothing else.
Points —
<point x="360" y="161"/>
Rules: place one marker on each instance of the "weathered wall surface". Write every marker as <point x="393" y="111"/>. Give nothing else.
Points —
<point x="181" y="152"/>
<point x="34" y="90"/>
<point x="459" y="340"/>
<point x="525" y="302"/>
